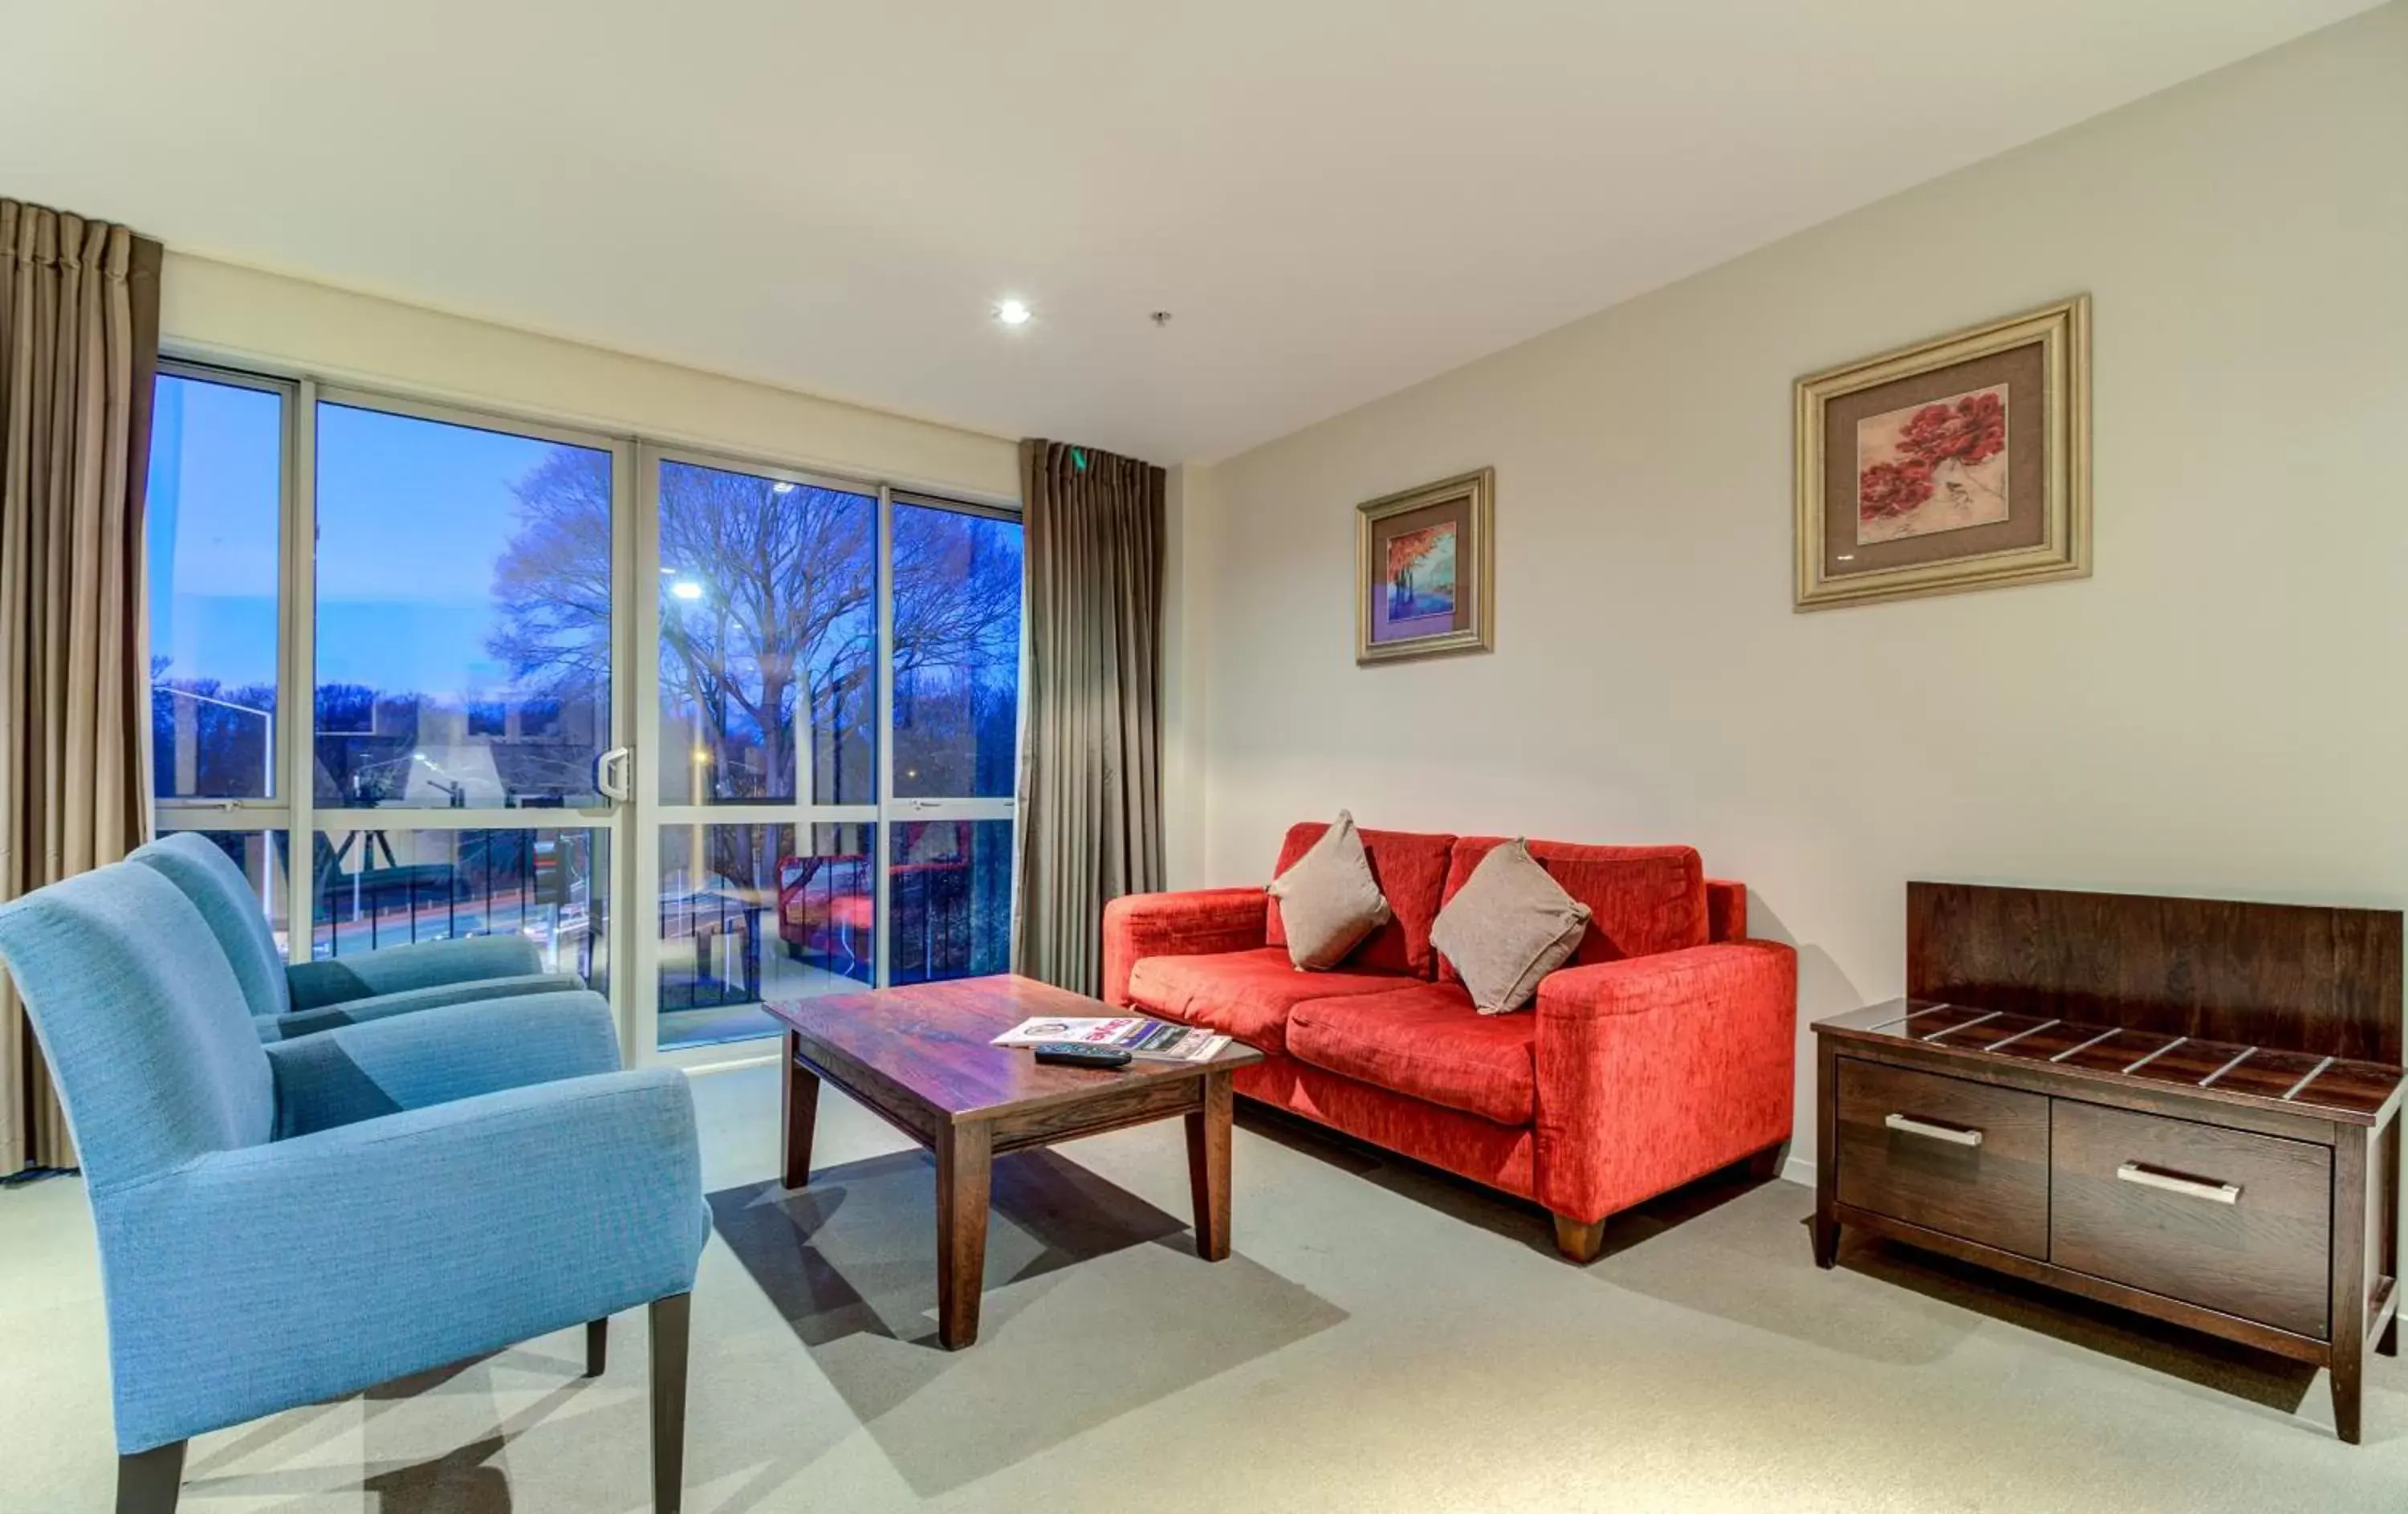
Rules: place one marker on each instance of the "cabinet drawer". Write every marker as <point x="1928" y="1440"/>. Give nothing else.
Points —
<point x="2237" y="1222"/>
<point x="1946" y="1154"/>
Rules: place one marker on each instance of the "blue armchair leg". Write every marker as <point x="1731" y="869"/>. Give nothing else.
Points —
<point x="668" y="1318"/>
<point x="148" y="1482"/>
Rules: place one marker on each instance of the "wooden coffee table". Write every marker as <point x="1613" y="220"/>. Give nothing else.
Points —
<point x="919" y="1058"/>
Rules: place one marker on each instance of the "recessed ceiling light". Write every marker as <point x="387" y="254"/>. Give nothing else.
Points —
<point x="686" y="588"/>
<point x="1012" y="312"/>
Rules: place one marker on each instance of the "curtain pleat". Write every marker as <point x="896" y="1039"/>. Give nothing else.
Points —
<point x="1090" y="790"/>
<point x="79" y="348"/>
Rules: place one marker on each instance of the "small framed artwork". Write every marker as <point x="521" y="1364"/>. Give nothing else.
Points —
<point x="1422" y="575"/>
<point x="1959" y="463"/>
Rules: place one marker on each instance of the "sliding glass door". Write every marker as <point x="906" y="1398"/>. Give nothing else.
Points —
<point x="795" y="843"/>
<point x="461" y="630"/>
<point x="755" y="829"/>
<point x="709" y="733"/>
<point x="443" y="587"/>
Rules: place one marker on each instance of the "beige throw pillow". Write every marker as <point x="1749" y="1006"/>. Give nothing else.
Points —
<point x="1328" y="901"/>
<point x="1508" y="926"/>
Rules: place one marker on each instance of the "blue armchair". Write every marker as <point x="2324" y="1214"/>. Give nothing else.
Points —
<point x="314" y="996"/>
<point x="289" y="1223"/>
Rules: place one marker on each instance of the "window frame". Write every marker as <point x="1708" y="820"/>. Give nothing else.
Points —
<point x="181" y="812"/>
<point x="621" y="453"/>
<point x="636" y="456"/>
<point x="895" y="809"/>
<point x="651" y="815"/>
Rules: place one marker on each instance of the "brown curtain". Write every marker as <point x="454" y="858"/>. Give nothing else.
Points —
<point x="1091" y="776"/>
<point x="79" y="344"/>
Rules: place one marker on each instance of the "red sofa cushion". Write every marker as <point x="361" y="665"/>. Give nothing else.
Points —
<point x="1246" y="994"/>
<point x="1427" y="1040"/>
<point x="1641" y="899"/>
<point x="1410" y="869"/>
<point x="1500" y="1156"/>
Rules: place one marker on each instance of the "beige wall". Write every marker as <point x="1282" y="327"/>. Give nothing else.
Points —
<point x="245" y="315"/>
<point x="2218" y="711"/>
<point x="1186" y="635"/>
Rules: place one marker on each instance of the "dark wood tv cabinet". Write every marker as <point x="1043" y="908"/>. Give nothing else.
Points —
<point x="2131" y="1145"/>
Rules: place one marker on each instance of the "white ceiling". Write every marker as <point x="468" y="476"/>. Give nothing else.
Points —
<point x="1336" y="197"/>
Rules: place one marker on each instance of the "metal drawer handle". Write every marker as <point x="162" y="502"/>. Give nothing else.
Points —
<point x="2133" y="1171"/>
<point x="1954" y="1135"/>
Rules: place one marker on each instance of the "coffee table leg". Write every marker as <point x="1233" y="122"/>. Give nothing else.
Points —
<point x="801" y="1099"/>
<point x="964" y="1164"/>
<point x="1207" y="1168"/>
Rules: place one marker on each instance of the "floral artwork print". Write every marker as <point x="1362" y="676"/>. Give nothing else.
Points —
<point x="1939" y="467"/>
<point x="1421" y="571"/>
<point x="1419" y="579"/>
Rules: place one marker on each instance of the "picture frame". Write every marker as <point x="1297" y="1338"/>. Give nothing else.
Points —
<point x="1424" y="576"/>
<point x="1958" y="463"/>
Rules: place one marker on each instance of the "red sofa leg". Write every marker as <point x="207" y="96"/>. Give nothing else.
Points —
<point x="1580" y="1241"/>
<point x="1766" y="1164"/>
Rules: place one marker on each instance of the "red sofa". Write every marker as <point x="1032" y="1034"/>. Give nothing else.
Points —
<point x="1662" y="1051"/>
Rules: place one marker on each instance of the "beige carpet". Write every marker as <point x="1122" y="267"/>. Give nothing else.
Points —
<point x="1382" y="1339"/>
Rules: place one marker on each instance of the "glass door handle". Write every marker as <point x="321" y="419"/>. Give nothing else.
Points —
<point x="614" y="775"/>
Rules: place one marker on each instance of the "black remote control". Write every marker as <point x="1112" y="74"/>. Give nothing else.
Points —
<point x="1072" y="1054"/>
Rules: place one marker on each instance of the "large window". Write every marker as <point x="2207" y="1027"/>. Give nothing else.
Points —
<point x="462" y="655"/>
<point x="769" y="651"/>
<point x="807" y="845"/>
<point x="951" y="891"/>
<point x="956" y="725"/>
<point x="956" y="652"/>
<point x="215" y="518"/>
<point x="387" y="887"/>
<point x="468" y="675"/>
<point x="463" y="614"/>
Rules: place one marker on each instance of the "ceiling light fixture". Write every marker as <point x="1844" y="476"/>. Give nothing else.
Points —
<point x="686" y="588"/>
<point x="1012" y="313"/>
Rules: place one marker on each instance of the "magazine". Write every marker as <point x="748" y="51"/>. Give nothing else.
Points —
<point x="1155" y="1040"/>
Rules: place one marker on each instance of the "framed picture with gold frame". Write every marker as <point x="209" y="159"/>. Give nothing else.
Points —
<point x="1959" y="463"/>
<point x="1424" y="584"/>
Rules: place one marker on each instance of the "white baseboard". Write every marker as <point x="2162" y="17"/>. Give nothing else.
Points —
<point x="1798" y="1169"/>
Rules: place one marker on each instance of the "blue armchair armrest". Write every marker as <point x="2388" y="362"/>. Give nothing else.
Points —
<point x="380" y="1006"/>
<point x="400" y="968"/>
<point x="361" y="1072"/>
<point x="299" y="1271"/>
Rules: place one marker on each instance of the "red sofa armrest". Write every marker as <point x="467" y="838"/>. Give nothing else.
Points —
<point x="1656" y="1070"/>
<point x="1139" y="926"/>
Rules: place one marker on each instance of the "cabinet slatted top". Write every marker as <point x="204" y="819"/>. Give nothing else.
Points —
<point x="2266" y="1077"/>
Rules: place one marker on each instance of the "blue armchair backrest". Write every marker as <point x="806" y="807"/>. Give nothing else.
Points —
<point x="150" y="1042"/>
<point x="225" y="899"/>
